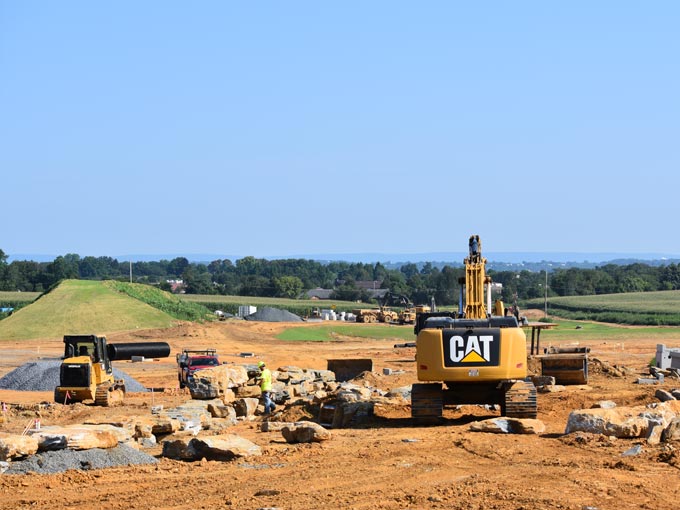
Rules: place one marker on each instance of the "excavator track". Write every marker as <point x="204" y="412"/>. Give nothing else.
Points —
<point x="520" y="401"/>
<point x="427" y="403"/>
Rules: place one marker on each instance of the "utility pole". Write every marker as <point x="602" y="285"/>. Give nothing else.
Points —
<point x="546" y="293"/>
<point x="131" y="271"/>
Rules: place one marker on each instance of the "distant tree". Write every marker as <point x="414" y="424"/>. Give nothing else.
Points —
<point x="670" y="277"/>
<point x="379" y="272"/>
<point x="446" y="286"/>
<point x="23" y="275"/>
<point x="249" y="266"/>
<point x="253" y="285"/>
<point x="427" y="268"/>
<point x="409" y="270"/>
<point x="3" y="268"/>
<point x="62" y="268"/>
<point x="177" y="266"/>
<point x="396" y="283"/>
<point x="348" y="291"/>
<point x="287" y="286"/>
<point x="197" y="280"/>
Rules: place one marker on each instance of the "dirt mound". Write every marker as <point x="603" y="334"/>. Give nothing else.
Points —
<point x="268" y="314"/>
<point x="44" y="376"/>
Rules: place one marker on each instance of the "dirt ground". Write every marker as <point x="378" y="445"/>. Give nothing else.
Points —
<point x="387" y="463"/>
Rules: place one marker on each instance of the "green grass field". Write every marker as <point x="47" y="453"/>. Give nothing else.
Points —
<point x="331" y="330"/>
<point x="81" y="307"/>
<point x="566" y="331"/>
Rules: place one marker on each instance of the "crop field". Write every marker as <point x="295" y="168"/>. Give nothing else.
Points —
<point x="10" y="298"/>
<point x="577" y="332"/>
<point x="635" y="308"/>
<point x="302" y="307"/>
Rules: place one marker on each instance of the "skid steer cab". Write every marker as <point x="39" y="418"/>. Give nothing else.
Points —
<point x="86" y="372"/>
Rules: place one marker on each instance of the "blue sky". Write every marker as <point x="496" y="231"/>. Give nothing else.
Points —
<point x="288" y="128"/>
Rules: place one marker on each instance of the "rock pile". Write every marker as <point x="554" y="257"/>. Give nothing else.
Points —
<point x="199" y="428"/>
<point x="64" y="460"/>
<point x="44" y="376"/>
<point x="268" y="314"/>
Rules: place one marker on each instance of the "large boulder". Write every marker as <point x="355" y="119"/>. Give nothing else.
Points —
<point x="672" y="432"/>
<point x="504" y="425"/>
<point x="15" y="446"/>
<point x="163" y="424"/>
<point x="82" y="437"/>
<point x="223" y="447"/>
<point x="245" y="407"/>
<point x="214" y="382"/>
<point x="250" y="391"/>
<point x="623" y="422"/>
<point x="305" y="432"/>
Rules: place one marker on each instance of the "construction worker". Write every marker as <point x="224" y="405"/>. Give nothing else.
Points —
<point x="265" y="380"/>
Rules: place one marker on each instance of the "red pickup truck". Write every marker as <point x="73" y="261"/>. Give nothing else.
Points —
<point x="191" y="361"/>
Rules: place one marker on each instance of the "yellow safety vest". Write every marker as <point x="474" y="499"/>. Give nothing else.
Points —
<point x="266" y="380"/>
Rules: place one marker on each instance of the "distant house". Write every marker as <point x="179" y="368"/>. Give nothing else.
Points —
<point x="319" y="293"/>
<point x="176" y="286"/>
<point x="368" y="284"/>
<point x="372" y="288"/>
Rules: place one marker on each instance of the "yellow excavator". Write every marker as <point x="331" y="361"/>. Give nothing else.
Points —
<point x="471" y="356"/>
<point x="86" y="372"/>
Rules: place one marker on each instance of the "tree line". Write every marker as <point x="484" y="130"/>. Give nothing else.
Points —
<point x="290" y="278"/>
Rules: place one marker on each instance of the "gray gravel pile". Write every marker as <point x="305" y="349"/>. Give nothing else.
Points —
<point x="96" y="458"/>
<point x="44" y="376"/>
<point x="268" y="314"/>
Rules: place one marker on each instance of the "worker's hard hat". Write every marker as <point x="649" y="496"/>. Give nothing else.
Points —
<point x="260" y="364"/>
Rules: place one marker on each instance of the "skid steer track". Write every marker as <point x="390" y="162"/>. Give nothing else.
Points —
<point x="108" y="395"/>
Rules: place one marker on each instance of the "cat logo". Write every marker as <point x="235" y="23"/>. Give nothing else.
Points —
<point x="478" y="347"/>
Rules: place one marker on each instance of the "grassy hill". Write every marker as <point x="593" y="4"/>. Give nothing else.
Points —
<point x="81" y="307"/>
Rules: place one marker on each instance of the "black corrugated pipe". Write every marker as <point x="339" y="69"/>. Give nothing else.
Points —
<point x="118" y="352"/>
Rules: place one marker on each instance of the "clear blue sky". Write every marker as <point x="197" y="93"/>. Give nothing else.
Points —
<point x="286" y="128"/>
